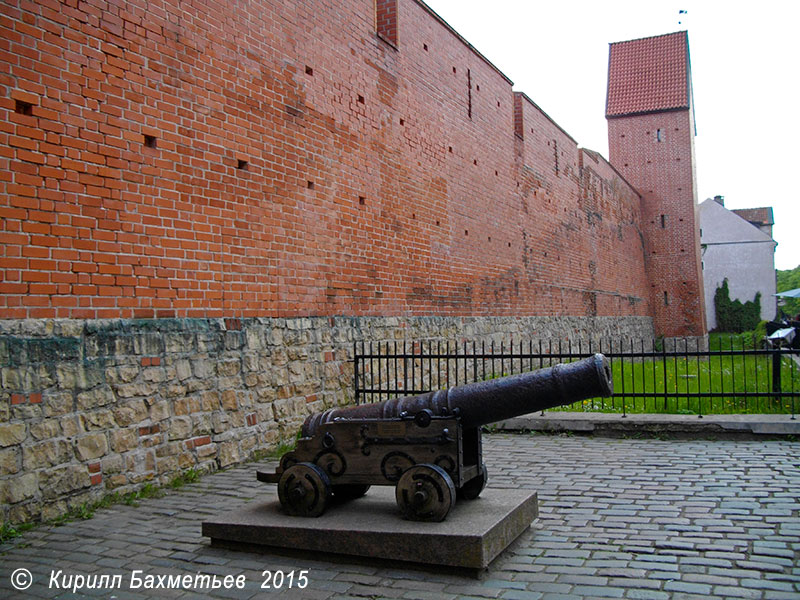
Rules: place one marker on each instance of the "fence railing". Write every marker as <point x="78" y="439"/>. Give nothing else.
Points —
<point x="682" y="377"/>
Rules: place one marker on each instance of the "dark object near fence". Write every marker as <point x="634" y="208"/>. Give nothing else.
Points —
<point x="427" y="446"/>
<point x="786" y="324"/>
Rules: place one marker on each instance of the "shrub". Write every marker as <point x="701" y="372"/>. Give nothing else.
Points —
<point x="734" y="316"/>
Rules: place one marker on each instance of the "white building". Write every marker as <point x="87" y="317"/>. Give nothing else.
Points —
<point x="738" y="245"/>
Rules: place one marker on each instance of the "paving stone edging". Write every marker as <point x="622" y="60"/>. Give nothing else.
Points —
<point x="615" y="424"/>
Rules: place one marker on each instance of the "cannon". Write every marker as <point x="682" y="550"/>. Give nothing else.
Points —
<point x="427" y="446"/>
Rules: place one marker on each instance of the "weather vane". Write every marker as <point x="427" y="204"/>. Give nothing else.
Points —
<point x="682" y="12"/>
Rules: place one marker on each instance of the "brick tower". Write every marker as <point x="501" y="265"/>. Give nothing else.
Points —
<point x="651" y="143"/>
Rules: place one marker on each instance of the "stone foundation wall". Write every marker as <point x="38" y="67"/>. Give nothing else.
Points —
<point x="88" y="406"/>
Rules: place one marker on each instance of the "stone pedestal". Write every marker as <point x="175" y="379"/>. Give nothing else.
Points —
<point x="474" y="533"/>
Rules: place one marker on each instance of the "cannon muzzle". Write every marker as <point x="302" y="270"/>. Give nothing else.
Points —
<point x="489" y="401"/>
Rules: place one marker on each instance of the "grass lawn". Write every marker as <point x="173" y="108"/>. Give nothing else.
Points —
<point x="718" y="384"/>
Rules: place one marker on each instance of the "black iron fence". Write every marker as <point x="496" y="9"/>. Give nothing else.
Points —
<point x="731" y="375"/>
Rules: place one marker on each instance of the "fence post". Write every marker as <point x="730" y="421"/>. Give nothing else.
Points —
<point x="355" y="369"/>
<point x="776" y="371"/>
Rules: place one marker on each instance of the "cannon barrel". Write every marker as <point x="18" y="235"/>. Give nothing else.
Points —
<point x="489" y="401"/>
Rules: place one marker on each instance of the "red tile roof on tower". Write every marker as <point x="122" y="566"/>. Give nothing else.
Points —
<point x="648" y="75"/>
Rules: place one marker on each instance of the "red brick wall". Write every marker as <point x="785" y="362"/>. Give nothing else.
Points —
<point x="386" y="20"/>
<point x="663" y="172"/>
<point x="273" y="159"/>
<point x="583" y="246"/>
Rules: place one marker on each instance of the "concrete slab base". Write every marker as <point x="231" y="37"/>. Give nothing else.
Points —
<point x="473" y="535"/>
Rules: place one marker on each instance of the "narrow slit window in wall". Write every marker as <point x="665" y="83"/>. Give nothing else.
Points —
<point x="666" y="298"/>
<point x="386" y="20"/>
<point x="555" y="154"/>
<point x="469" y="93"/>
<point x="659" y="135"/>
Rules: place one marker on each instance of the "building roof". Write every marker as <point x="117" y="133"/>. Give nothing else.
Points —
<point x="720" y="226"/>
<point x="649" y="75"/>
<point x="756" y="216"/>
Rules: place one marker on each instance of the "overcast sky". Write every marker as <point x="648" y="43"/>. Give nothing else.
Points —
<point x="744" y="70"/>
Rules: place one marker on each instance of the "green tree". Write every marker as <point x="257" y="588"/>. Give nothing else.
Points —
<point x="790" y="280"/>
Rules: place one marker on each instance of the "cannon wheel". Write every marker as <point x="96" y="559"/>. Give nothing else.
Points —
<point x="304" y="490"/>
<point x="349" y="491"/>
<point x="425" y="492"/>
<point x="473" y="488"/>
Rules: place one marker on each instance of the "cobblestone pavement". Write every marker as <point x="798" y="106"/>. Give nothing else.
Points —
<point x="619" y="519"/>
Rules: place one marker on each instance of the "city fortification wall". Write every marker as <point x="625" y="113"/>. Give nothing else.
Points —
<point x="203" y="206"/>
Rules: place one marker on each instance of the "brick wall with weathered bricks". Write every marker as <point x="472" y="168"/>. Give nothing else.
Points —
<point x="172" y="159"/>
<point x="656" y="153"/>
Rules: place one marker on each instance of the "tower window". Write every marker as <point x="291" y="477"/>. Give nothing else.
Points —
<point x="659" y="135"/>
<point x="469" y="93"/>
<point x="386" y="21"/>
